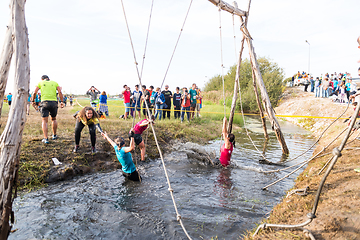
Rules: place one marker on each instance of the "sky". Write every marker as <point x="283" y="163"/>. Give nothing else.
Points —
<point x="84" y="43"/>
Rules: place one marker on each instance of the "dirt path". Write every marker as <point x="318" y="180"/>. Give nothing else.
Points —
<point x="338" y="212"/>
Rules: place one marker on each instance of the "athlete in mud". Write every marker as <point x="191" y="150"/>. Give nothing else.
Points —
<point x="86" y="116"/>
<point x="227" y="147"/>
<point x="124" y="156"/>
<point x="136" y="132"/>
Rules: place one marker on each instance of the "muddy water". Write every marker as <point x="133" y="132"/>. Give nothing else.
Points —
<point x="220" y="203"/>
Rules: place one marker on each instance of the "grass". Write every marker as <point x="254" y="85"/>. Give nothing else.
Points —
<point x="35" y="157"/>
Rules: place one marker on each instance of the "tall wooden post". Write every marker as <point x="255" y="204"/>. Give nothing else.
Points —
<point x="266" y="100"/>
<point x="11" y="137"/>
<point x="5" y="60"/>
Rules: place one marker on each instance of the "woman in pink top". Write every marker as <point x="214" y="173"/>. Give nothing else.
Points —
<point x="136" y="132"/>
<point x="227" y="147"/>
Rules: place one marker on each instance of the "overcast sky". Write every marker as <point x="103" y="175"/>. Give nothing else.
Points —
<point x="80" y="43"/>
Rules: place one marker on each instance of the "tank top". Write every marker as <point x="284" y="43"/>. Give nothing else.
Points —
<point x="225" y="155"/>
<point x="139" y="129"/>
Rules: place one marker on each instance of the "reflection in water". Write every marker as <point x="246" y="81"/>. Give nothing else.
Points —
<point x="214" y="203"/>
<point x="223" y="186"/>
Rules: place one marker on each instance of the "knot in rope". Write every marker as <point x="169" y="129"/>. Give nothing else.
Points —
<point x="171" y="190"/>
<point x="178" y="217"/>
<point x="336" y="152"/>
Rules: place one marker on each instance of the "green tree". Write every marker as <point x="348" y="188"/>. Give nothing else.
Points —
<point x="273" y="77"/>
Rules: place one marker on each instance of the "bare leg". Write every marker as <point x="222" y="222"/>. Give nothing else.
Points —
<point x="142" y="150"/>
<point x="44" y="125"/>
<point x="54" y="125"/>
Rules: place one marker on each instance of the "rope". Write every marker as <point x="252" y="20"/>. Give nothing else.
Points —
<point x="187" y="13"/>
<point x="178" y="216"/>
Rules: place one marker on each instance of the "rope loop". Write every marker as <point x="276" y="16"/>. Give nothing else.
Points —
<point x="336" y="152"/>
<point x="311" y="215"/>
<point x="178" y="217"/>
<point x="171" y="190"/>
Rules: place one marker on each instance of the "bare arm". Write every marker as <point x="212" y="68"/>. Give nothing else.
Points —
<point x="132" y="146"/>
<point x="61" y="97"/>
<point x="34" y="95"/>
<point x="225" y="134"/>
<point x="104" y="134"/>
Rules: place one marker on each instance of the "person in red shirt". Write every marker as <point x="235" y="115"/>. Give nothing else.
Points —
<point x="136" y="132"/>
<point x="185" y="104"/>
<point x="126" y="95"/>
<point x="227" y="147"/>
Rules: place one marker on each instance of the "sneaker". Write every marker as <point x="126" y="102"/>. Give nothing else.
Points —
<point x="93" y="150"/>
<point x="45" y="140"/>
<point x="76" y="149"/>
<point x="54" y="137"/>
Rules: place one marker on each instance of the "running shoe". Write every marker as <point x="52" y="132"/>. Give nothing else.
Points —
<point x="76" y="149"/>
<point x="45" y="140"/>
<point x="93" y="150"/>
<point x="54" y="137"/>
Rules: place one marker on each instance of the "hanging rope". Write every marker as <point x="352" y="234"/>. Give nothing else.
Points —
<point x="173" y="53"/>
<point x="178" y="216"/>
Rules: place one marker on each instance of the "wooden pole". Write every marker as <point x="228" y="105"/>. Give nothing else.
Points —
<point x="264" y="95"/>
<point x="11" y="137"/>
<point x="260" y="107"/>
<point x="227" y="7"/>
<point x="5" y="60"/>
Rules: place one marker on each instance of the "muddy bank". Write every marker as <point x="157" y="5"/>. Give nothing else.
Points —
<point x="338" y="215"/>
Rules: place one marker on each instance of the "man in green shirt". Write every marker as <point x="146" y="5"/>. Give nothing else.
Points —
<point x="193" y="98"/>
<point x="49" y="104"/>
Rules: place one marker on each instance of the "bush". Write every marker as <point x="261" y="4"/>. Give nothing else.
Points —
<point x="272" y="75"/>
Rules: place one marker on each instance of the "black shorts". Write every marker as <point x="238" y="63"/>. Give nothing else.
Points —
<point x="137" y="138"/>
<point x="193" y="105"/>
<point x="134" y="176"/>
<point x="49" y="107"/>
<point x="9" y="102"/>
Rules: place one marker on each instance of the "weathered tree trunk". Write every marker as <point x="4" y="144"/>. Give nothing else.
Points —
<point x="227" y="7"/>
<point x="266" y="100"/>
<point x="10" y="139"/>
<point x="5" y="60"/>
<point x="260" y="106"/>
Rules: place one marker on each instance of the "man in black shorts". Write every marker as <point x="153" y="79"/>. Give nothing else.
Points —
<point x="49" y="104"/>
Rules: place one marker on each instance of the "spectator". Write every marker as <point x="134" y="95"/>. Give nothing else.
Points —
<point x="325" y="87"/>
<point x="145" y="98"/>
<point x="317" y="87"/>
<point x="103" y="104"/>
<point x="93" y="92"/>
<point x="198" y="101"/>
<point x="151" y="105"/>
<point x="177" y="103"/>
<point x="159" y="102"/>
<point x="9" y="98"/>
<point x="312" y="84"/>
<point x="193" y="98"/>
<point x="126" y="95"/>
<point x="306" y="84"/>
<point x="136" y="97"/>
<point x="185" y="104"/>
<point x="168" y="95"/>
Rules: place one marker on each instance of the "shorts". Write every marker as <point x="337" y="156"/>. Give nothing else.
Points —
<point x="137" y="138"/>
<point x="134" y="176"/>
<point x="127" y="107"/>
<point x="9" y="102"/>
<point x="49" y="107"/>
<point x="193" y="105"/>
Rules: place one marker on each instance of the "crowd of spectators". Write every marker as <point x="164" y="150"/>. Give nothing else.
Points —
<point x="162" y="103"/>
<point x="337" y="86"/>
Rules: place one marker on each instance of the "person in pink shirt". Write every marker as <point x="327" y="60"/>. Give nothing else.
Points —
<point x="136" y="132"/>
<point x="227" y="147"/>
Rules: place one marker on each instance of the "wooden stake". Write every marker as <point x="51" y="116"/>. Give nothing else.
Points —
<point x="5" y="60"/>
<point x="11" y="137"/>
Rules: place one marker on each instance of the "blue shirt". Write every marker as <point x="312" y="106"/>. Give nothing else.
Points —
<point x="29" y="99"/>
<point x="125" y="159"/>
<point x="9" y="97"/>
<point x="103" y="99"/>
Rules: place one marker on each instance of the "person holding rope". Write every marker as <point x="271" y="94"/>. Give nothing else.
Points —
<point x="124" y="156"/>
<point x="86" y="116"/>
<point x="227" y="148"/>
<point x="49" y="104"/>
<point x="136" y="132"/>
